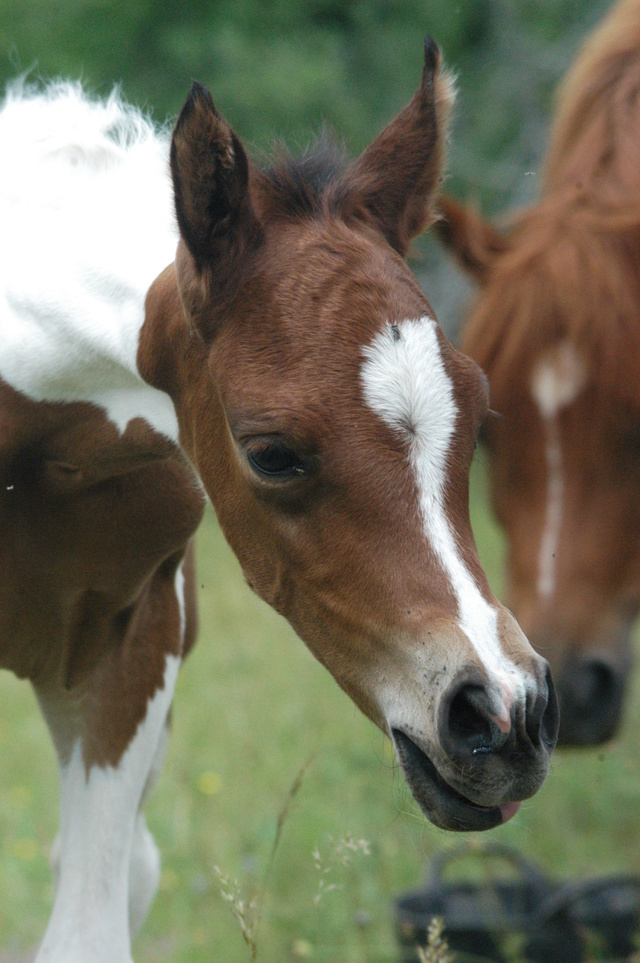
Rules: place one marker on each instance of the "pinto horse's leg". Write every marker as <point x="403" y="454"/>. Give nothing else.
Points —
<point x="99" y="827"/>
<point x="144" y="874"/>
<point x="144" y="871"/>
<point x="110" y="739"/>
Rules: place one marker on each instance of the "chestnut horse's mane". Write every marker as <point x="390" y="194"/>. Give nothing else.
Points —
<point x="571" y="263"/>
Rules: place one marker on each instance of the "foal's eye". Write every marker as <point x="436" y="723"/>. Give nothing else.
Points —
<point x="275" y="460"/>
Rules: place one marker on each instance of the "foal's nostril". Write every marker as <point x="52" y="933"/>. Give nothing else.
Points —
<point x="469" y="723"/>
<point x="591" y="694"/>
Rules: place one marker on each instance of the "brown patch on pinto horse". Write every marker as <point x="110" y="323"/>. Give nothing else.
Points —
<point x="564" y="279"/>
<point x="74" y="490"/>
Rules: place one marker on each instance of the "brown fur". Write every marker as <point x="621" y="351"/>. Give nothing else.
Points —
<point x="73" y="492"/>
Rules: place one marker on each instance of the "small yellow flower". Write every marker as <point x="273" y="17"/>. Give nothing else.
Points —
<point x="302" y="950"/>
<point x="209" y="783"/>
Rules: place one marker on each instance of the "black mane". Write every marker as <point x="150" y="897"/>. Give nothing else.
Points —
<point x="298" y="187"/>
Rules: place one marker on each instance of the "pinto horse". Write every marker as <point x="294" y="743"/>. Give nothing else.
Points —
<point x="556" y="328"/>
<point x="287" y="362"/>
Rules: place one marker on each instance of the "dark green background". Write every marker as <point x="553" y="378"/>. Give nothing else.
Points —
<point x="281" y="67"/>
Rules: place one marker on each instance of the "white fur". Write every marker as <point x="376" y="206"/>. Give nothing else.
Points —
<point x="556" y="382"/>
<point x="554" y="510"/>
<point x="87" y="224"/>
<point x="558" y="379"/>
<point x="145" y="863"/>
<point x="406" y="383"/>
<point x="144" y="874"/>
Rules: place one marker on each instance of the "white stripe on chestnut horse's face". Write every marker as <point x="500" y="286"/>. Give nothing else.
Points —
<point x="556" y="382"/>
<point x="406" y="384"/>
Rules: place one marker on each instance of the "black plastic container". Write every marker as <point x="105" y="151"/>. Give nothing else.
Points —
<point x="546" y="922"/>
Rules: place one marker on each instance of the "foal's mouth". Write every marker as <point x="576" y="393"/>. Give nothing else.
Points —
<point x="441" y="803"/>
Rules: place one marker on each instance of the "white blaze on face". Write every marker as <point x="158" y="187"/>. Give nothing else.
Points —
<point x="406" y="384"/>
<point x="556" y="382"/>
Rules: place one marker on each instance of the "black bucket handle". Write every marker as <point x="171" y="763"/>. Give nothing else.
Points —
<point x="491" y="849"/>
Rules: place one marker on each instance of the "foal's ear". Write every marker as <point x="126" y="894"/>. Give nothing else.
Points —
<point x="474" y="242"/>
<point x="394" y="182"/>
<point x="210" y="174"/>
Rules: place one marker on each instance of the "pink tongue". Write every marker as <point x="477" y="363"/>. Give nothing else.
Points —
<point x="508" y="810"/>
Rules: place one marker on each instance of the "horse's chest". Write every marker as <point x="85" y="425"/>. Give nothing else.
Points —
<point x="87" y="518"/>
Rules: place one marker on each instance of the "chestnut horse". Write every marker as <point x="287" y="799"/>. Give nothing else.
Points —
<point x="556" y="326"/>
<point x="288" y="363"/>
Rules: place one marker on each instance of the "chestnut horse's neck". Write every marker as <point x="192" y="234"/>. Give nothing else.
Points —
<point x="75" y="285"/>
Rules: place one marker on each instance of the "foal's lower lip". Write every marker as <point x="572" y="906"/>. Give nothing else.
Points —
<point x="507" y="810"/>
<point x="441" y="803"/>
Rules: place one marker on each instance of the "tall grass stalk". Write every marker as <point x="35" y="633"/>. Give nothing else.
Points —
<point x="436" y="950"/>
<point x="249" y="912"/>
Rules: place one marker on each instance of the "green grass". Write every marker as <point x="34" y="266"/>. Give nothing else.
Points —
<point x="252" y="708"/>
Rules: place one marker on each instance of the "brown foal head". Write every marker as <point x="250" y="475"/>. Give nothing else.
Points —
<point x="333" y="427"/>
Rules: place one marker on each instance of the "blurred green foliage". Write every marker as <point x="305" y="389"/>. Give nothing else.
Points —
<point x="280" y="69"/>
<point x="283" y="67"/>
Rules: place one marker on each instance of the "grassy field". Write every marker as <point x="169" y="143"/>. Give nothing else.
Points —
<point x="252" y="709"/>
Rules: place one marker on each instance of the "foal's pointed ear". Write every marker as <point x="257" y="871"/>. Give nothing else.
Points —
<point x="210" y="174"/>
<point x="474" y="242"/>
<point x="394" y="182"/>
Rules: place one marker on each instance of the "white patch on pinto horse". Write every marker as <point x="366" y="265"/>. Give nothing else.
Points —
<point x="406" y="383"/>
<point x="88" y="224"/>
<point x="556" y="382"/>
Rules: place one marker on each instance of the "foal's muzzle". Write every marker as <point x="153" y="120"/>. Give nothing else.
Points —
<point x="482" y="763"/>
